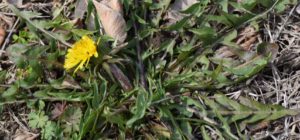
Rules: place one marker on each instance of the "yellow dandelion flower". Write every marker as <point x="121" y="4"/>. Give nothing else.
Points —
<point x="80" y="53"/>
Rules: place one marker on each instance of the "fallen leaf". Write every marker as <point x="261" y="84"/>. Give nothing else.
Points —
<point x="258" y="126"/>
<point x="59" y="109"/>
<point x="70" y="83"/>
<point x="298" y="9"/>
<point x="247" y="41"/>
<point x="2" y="35"/>
<point x="247" y="38"/>
<point x="17" y="3"/>
<point x="115" y="5"/>
<point x="112" y="20"/>
<point x="80" y="9"/>
<point x="121" y="77"/>
<point x="160" y="129"/>
<point x="24" y="135"/>
<point x="6" y="20"/>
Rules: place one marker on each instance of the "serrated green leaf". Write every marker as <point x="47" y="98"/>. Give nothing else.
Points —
<point x="37" y="119"/>
<point x="48" y="132"/>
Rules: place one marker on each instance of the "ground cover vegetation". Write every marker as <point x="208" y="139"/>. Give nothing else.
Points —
<point x="149" y="69"/>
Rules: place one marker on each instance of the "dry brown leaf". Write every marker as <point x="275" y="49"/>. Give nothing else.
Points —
<point x="70" y="83"/>
<point x="258" y="127"/>
<point x="24" y="135"/>
<point x="113" y="22"/>
<point x="160" y="129"/>
<point x="115" y="5"/>
<point x="80" y="9"/>
<point x="121" y="77"/>
<point x="247" y="39"/>
<point x="298" y="9"/>
<point x="5" y="20"/>
<point x="17" y="3"/>
<point x="59" y="109"/>
<point x="2" y="35"/>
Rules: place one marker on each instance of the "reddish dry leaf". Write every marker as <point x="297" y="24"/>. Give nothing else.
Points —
<point x="112" y="20"/>
<point x="2" y="35"/>
<point x="59" y="109"/>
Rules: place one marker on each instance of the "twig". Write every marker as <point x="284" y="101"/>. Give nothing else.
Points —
<point x="285" y="22"/>
<point x="17" y="120"/>
<point x="8" y="36"/>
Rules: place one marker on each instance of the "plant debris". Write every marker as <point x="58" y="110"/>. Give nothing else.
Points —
<point x="163" y="69"/>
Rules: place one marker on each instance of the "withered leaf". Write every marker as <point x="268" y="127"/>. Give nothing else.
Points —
<point x="115" y="5"/>
<point x="70" y="83"/>
<point x="80" y="9"/>
<point x="2" y="35"/>
<point x="24" y="135"/>
<point x="112" y="20"/>
<point x="58" y="110"/>
<point x="17" y="3"/>
<point x="121" y="77"/>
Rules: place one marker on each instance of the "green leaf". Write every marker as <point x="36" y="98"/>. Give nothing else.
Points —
<point x="71" y="119"/>
<point x="235" y="106"/>
<point x="196" y="9"/>
<point x="48" y="132"/>
<point x="187" y="129"/>
<point x="206" y="34"/>
<point x="37" y="119"/>
<point x="16" y="54"/>
<point x="11" y="91"/>
<point x="82" y="32"/>
<point x="204" y="133"/>
<point x="166" y="114"/>
<point x="168" y="45"/>
<point x="26" y="15"/>
<point x="179" y="25"/>
<point x="88" y="121"/>
<point x="139" y="110"/>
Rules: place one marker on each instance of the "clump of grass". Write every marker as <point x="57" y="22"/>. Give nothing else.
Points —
<point x="163" y="82"/>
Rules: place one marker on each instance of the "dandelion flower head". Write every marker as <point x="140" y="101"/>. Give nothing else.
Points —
<point x="80" y="53"/>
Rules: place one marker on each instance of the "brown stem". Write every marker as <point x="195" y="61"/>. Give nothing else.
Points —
<point x="140" y="61"/>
